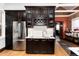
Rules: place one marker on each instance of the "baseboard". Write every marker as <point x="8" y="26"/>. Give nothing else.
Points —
<point x="2" y="49"/>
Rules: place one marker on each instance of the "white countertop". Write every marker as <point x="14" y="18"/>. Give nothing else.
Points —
<point x="75" y="50"/>
<point x="42" y="37"/>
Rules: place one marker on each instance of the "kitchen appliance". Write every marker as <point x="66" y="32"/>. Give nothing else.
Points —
<point x="19" y="33"/>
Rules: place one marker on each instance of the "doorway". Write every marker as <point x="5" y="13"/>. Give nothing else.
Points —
<point x="59" y="30"/>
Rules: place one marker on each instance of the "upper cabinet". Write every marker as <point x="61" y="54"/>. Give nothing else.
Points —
<point x="51" y="17"/>
<point x="16" y="15"/>
<point x="40" y="16"/>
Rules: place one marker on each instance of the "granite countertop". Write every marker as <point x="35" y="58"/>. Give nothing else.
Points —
<point x="75" y="50"/>
<point x="41" y="37"/>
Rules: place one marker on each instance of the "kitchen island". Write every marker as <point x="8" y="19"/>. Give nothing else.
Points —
<point x="40" y="45"/>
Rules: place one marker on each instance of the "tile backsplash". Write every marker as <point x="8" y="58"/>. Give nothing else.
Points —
<point x="40" y="31"/>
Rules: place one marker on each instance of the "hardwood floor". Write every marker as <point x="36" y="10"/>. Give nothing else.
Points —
<point x="59" y="51"/>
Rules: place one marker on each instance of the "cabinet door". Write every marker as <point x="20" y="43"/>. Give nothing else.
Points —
<point x="36" y="46"/>
<point x="32" y="46"/>
<point x="29" y="18"/>
<point x="40" y="46"/>
<point x="51" y="21"/>
<point x="28" y="45"/>
<point x="44" y="45"/>
<point x="8" y="34"/>
<point x="29" y="23"/>
<point x="52" y="45"/>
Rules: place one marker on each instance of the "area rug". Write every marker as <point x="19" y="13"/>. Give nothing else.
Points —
<point x="65" y="45"/>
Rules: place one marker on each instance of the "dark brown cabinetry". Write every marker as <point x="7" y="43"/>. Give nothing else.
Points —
<point x="40" y="45"/>
<point x="29" y="23"/>
<point x="51" y="22"/>
<point x="51" y="17"/>
<point x="40" y="16"/>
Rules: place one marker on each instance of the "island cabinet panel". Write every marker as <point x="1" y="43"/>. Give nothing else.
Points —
<point x="40" y="46"/>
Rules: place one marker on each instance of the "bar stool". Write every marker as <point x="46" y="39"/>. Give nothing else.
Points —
<point x="76" y="38"/>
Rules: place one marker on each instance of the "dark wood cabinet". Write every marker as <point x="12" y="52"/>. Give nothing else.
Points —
<point x="36" y="46"/>
<point x="29" y="23"/>
<point x="50" y="23"/>
<point x="51" y="19"/>
<point x="40" y="16"/>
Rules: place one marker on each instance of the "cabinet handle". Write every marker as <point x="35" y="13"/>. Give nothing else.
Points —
<point x="29" y="39"/>
<point x="36" y="40"/>
<point x="43" y="40"/>
<point x="50" y="40"/>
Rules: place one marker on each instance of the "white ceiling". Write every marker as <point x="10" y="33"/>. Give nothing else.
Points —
<point x="20" y="6"/>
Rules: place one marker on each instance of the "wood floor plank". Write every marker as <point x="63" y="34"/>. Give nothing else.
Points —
<point x="59" y="51"/>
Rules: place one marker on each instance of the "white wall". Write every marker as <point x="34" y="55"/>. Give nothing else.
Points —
<point x="75" y="23"/>
<point x="14" y="6"/>
<point x="1" y="6"/>
<point x="2" y="37"/>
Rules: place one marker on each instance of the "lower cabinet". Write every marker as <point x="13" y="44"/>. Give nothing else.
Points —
<point x="43" y="46"/>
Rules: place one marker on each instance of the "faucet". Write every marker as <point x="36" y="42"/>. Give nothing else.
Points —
<point x="44" y="33"/>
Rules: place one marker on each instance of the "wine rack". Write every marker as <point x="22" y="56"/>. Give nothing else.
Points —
<point x="40" y="16"/>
